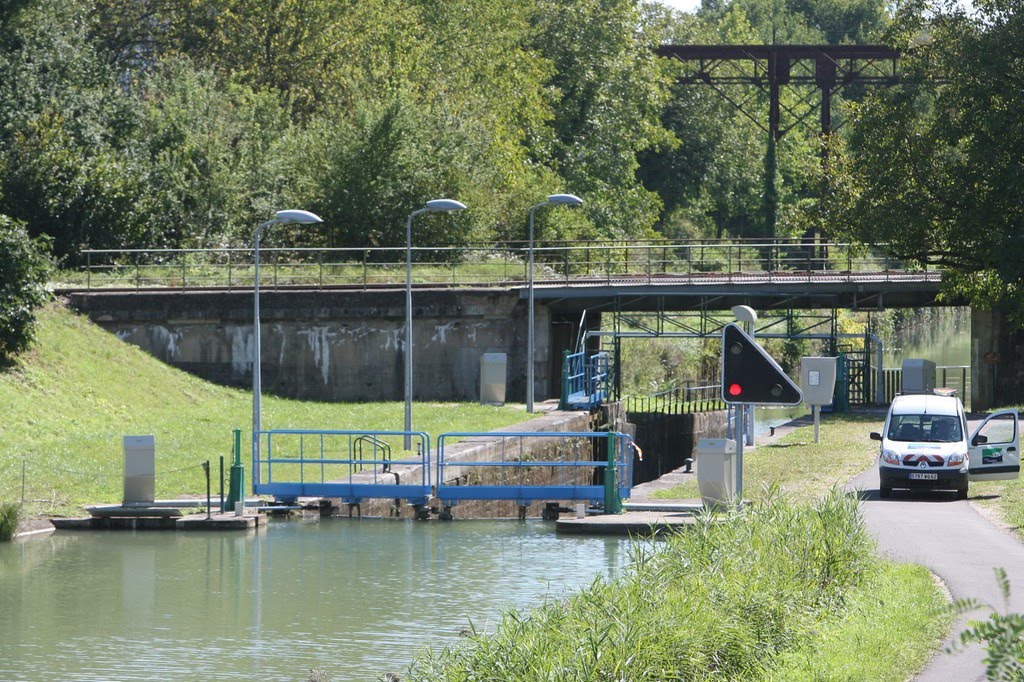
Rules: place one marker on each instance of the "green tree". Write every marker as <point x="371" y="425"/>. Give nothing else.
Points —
<point x="608" y="90"/>
<point x="933" y="168"/>
<point x="24" y="272"/>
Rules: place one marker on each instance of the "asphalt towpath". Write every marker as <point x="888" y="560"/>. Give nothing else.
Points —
<point x="959" y="545"/>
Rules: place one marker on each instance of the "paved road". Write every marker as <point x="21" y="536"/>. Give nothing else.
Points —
<point x="956" y="543"/>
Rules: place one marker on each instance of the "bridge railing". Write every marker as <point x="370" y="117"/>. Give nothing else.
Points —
<point x="477" y="265"/>
<point x="350" y="465"/>
<point x="529" y="467"/>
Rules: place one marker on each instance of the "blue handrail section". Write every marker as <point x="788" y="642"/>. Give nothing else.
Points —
<point x="585" y="380"/>
<point x="535" y="466"/>
<point x="351" y="465"/>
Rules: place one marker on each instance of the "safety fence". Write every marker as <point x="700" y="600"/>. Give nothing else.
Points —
<point x="517" y="466"/>
<point x="527" y="467"/>
<point x="42" y="487"/>
<point x="677" y="400"/>
<point x="349" y="465"/>
<point x="946" y="376"/>
<point x="478" y="265"/>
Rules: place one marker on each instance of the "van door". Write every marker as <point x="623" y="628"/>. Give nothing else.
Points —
<point x="998" y="457"/>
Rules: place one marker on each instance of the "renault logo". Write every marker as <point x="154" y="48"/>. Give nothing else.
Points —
<point x="923" y="464"/>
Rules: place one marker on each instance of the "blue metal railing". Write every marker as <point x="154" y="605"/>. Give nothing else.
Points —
<point x="511" y="466"/>
<point x="350" y="465"/>
<point x="585" y="380"/>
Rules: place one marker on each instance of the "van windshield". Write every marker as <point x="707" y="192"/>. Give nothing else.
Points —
<point x="925" y="428"/>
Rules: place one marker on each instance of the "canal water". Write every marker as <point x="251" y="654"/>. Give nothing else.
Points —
<point x="355" y="599"/>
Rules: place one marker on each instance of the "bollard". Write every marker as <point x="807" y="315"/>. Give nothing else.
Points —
<point x="206" y="469"/>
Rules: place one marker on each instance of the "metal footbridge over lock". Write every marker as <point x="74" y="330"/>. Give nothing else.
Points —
<point x="594" y="468"/>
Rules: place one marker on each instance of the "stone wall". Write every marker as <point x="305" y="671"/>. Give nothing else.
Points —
<point x="334" y="345"/>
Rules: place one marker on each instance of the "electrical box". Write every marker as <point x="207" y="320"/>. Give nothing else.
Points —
<point x="918" y="376"/>
<point x="139" y="469"/>
<point x="716" y="471"/>
<point x="493" y="378"/>
<point x="818" y="380"/>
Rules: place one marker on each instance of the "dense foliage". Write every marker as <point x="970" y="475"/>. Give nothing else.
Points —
<point x="935" y="168"/>
<point x="24" y="270"/>
<point x="185" y="123"/>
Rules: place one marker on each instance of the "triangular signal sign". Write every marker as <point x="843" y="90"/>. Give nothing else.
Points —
<point x="750" y="376"/>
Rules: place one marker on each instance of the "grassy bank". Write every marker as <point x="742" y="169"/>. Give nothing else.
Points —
<point x="779" y="592"/>
<point x="800" y="467"/>
<point x="68" y="402"/>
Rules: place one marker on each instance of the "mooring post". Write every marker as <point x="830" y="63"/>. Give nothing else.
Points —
<point x="236" y="478"/>
<point x="206" y="469"/>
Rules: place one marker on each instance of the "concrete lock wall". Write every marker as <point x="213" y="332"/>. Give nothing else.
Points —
<point x="333" y="346"/>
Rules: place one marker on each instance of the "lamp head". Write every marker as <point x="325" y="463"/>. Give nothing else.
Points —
<point x="440" y="205"/>
<point x="296" y="217"/>
<point x="744" y="313"/>
<point x="564" y="200"/>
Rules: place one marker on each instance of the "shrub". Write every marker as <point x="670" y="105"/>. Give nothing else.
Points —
<point x="10" y="514"/>
<point x="24" y="269"/>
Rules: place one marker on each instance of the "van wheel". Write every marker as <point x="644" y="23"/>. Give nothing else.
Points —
<point x="885" y="492"/>
<point x="961" y="494"/>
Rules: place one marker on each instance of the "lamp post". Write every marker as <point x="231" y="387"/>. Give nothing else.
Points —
<point x="432" y="206"/>
<point x="552" y="200"/>
<point x="293" y="217"/>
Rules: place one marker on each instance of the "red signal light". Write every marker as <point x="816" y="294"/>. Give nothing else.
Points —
<point x="735" y="389"/>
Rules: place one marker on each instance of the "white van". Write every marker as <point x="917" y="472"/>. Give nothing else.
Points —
<point x="925" y="445"/>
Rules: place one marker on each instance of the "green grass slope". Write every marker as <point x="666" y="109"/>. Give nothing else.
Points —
<point x="66" y="404"/>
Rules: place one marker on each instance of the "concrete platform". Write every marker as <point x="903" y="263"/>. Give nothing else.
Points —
<point x="217" y="521"/>
<point x="638" y="523"/>
<point x="225" y="521"/>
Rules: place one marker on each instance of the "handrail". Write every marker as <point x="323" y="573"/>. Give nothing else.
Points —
<point x="511" y="467"/>
<point x="335" y="458"/>
<point x="476" y="265"/>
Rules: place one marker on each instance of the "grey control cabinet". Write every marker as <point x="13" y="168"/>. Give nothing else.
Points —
<point x="716" y="471"/>
<point x="493" y="377"/>
<point x="139" y="469"/>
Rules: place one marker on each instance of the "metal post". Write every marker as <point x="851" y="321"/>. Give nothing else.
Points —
<point x="740" y="409"/>
<point x="256" y="361"/>
<point x="612" y="501"/>
<point x="206" y="468"/>
<point x="530" y="343"/>
<point x="408" y="329"/>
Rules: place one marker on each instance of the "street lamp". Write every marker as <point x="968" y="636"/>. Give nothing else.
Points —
<point x="552" y="200"/>
<point x="432" y="206"/>
<point x="293" y="217"/>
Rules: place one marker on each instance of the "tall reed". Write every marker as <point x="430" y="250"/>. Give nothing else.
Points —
<point x="719" y="600"/>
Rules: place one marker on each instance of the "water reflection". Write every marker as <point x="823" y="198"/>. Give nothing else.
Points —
<point x="352" y="598"/>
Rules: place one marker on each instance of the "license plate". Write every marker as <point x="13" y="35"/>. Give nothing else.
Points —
<point x="924" y="477"/>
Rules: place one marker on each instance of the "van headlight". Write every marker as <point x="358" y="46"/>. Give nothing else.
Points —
<point x="956" y="459"/>
<point x="890" y="457"/>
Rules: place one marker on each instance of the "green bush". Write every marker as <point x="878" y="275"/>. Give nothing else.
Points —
<point x="24" y="269"/>
<point x="10" y="514"/>
<point x="720" y="600"/>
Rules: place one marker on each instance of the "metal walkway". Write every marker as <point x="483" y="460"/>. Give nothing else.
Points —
<point x="521" y="467"/>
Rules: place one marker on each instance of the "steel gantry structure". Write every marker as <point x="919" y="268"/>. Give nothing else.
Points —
<point x="740" y="73"/>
